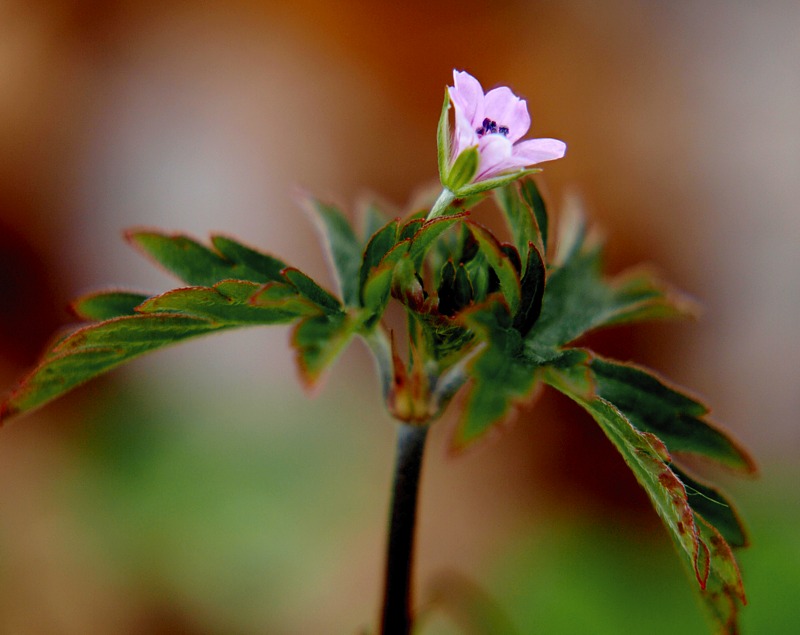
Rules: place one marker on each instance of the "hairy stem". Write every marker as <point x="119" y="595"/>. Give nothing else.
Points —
<point x="396" y="619"/>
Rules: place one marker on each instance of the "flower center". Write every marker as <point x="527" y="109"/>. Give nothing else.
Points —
<point x="491" y="127"/>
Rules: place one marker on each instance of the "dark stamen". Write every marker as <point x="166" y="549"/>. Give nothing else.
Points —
<point x="490" y="127"/>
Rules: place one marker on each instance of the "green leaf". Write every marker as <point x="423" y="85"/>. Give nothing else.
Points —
<point x="500" y="264"/>
<point x="715" y="508"/>
<point x="519" y="219"/>
<point x="455" y="289"/>
<point x="249" y="264"/>
<point x="226" y="304"/>
<point x="197" y="265"/>
<point x="501" y="375"/>
<point x="579" y="299"/>
<point x="312" y="291"/>
<point x="378" y="246"/>
<point x="343" y="247"/>
<point x="724" y="592"/>
<point x="318" y="341"/>
<point x="376" y="284"/>
<point x="652" y="406"/>
<point x="531" y="195"/>
<point x="426" y="236"/>
<point x="105" y="305"/>
<point x="95" y="349"/>
<point x="532" y="288"/>
<point x="377" y="288"/>
<point x="702" y="549"/>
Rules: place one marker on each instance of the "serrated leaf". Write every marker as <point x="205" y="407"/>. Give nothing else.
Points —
<point x="408" y="229"/>
<point x="104" y="305"/>
<point x="312" y="291"/>
<point x="703" y="550"/>
<point x="532" y="288"/>
<point x="713" y="506"/>
<point x="377" y="282"/>
<point x="226" y="304"/>
<point x="95" y="349"/>
<point x="675" y="418"/>
<point x="377" y="288"/>
<point x="249" y="263"/>
<point x="318" y="341"/>
<point x="197" y="265"/>
<point x="724" y="593"/>
<point x="343" y="248"/>
<point x="531" y="195"/>
<point x="378" y="246"/>
<point x="500" y="264"/>
<point x="283" y="296"/>
<point x="426" y="236"/>
<point x="519" y="218"/>
<point x="501" y="373"/>
<point x="579" y="299"/>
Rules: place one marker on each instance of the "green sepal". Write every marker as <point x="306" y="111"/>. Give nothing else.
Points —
<point x="197" y="265"/>
<point x="490" y="184"/>
<point x="443" y="137"/>
<point x="463" y="170"/>
<point x="343" y="247"/>
<point x="105" y="305"/>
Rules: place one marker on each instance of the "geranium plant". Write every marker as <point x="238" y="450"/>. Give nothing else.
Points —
<point x="488" y="319"/>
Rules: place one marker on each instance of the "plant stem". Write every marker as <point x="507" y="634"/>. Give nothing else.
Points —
<point x="441" y="204"/>
<point x="396" y="619"/>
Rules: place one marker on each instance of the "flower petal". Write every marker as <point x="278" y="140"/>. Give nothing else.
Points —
<point x="464" y="135"/>
<point x="495" y="150"/>
<point x="504" y="107"/>
<point x="535" y="151"/>
<point x="467" y="96"/>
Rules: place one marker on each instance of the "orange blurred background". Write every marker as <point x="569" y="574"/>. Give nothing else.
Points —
<point x="683" y="140"/>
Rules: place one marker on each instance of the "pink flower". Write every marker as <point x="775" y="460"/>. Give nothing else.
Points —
<point x="495" y="122"/>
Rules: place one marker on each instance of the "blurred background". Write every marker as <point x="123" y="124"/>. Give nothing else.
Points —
<point x="199" y="491"/>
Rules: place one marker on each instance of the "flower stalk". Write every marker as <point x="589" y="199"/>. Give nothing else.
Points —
<point x="397" y="616"/>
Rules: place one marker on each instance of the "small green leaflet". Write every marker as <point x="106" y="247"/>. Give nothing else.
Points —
<point x="198" y="265"/>
<point x="343" y="246"/>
